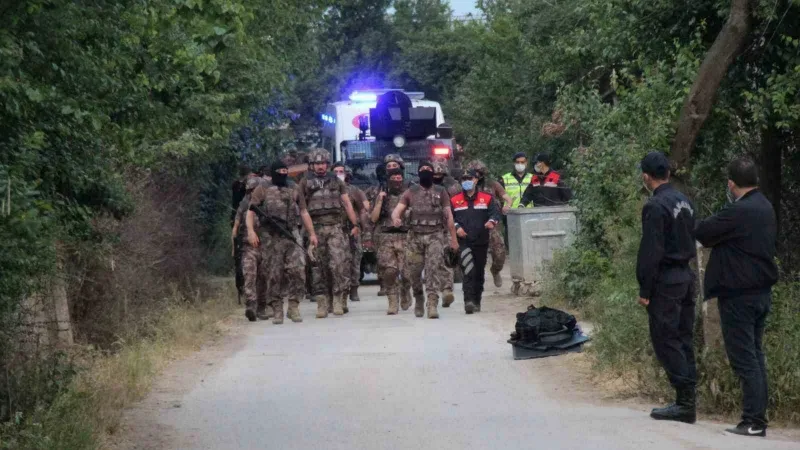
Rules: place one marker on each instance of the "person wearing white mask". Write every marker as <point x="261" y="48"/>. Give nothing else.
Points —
<point x="515" y="183"/>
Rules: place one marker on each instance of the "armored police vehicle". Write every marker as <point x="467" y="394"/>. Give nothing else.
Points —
<point x="370" y="125"/>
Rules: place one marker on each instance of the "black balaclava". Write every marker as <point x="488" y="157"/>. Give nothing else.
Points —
<point x="278" y="179"/>
<point x="426" y="177"/>
<point x="395" y="186"/>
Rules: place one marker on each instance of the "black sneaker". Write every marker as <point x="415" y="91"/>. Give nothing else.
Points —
<point x="748" y="429"/>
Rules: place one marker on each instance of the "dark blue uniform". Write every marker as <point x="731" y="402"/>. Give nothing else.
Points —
<point x="740" y="274"/>
<point x="471" y="215"/>
<point x="664" y="276"/>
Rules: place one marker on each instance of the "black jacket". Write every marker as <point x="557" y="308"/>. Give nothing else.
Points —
<point x="472" y="213"/>
<point x="667" y="240"/>
<point x="742" y="237"/>
<point x="546" y="190"/>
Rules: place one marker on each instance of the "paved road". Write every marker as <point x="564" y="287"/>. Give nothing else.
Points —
<point x="371" y="381"/>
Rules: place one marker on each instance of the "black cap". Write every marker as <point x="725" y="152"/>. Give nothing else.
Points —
<point x="425" y="163"/>
<point x="544" y="158"/>
<point x="656" y="165"/>
<point x="520" y="155"/>
<point x="470" y="173"/>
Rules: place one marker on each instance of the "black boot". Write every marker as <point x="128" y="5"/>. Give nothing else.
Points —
<point x="354" y="294"/>
<point x="683" y="410"/>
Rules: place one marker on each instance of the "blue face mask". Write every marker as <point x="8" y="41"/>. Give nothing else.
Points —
<point x="467" y="185"/>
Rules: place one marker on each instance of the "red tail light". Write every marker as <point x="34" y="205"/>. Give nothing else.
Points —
<point x="441" y="151"/>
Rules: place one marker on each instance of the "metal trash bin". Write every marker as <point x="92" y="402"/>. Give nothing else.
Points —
<point x="533" y="235"/>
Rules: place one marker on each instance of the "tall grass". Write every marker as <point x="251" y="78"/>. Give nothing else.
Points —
<point x="90" y="408"/>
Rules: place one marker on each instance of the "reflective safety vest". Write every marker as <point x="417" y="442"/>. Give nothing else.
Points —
<point x="515" y="188"/>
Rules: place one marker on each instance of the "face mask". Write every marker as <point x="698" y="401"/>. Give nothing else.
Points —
<point x="279" y="179"/>
<point x="519" y="167"/>
<point x="341" y="176"/>
<point x="438" y="180"/>
<point x="426" y="178"/>
<point x="467" y="185"/>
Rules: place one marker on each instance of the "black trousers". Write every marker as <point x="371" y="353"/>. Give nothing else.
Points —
<point x="743" y="319"/>
<point x="473" y="266"/>
<point x="671" y="313"/>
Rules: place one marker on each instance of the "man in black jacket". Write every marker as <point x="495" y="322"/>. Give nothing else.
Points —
<point x="546" y="188"/>
<point x="475" y="213"/>
<point x="740" y="274"/>
<point x="666" y="284"/>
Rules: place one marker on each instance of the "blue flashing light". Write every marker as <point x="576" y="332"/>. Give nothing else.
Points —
<point x="363" y="97"/>
<point x="328" y="119"/>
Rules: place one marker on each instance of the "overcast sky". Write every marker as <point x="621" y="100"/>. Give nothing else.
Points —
<point x="461" y="7"/>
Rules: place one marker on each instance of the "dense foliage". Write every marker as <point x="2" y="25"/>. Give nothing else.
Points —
<point x="122" y="123"/>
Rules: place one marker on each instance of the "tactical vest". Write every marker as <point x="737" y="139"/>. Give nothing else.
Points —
<point x="389" y="204"/>
<point x="427" y="215"/>
<point x="515" y="188"/>
<point x="324" y="200"/>
<point x="279" y="206"/>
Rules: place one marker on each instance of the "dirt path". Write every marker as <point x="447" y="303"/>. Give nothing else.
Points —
<point x="373" y="381"/>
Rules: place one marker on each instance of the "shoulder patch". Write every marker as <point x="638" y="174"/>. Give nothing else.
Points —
<point x="682" y="206"/>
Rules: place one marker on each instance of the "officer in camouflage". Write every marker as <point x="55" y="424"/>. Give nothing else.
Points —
<point x="284" y="259"/>
<point x="441" y="177"/>
<point x="361" y="207"/>
<point x="391" y="251"/>
<point x="497" y="247"/>
<point x="392" y="161"/>
<point x="253" y="251"/>
<point x="430" y="217"/>
<point x="326" y="196"/>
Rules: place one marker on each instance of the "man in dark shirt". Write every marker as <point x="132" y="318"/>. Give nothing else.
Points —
<point x="666" y="284"/>
<point x="741" y="273"/>
<point x="476" y="214"/>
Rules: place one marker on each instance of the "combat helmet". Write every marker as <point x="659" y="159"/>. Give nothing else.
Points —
<point x="394" y="157"/>
<point x="319" y="155"/>
<point x="479" y="167"/>
<point x="440" y="166"/>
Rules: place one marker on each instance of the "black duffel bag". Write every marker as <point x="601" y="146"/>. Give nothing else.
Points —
<point x="538" y="324"/>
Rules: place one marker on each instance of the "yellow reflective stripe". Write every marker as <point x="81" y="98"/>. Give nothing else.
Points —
<point x="515" y="188"/>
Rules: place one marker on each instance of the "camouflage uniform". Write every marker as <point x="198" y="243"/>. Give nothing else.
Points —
<point x="425" y="247"/>
<point x="253" y="269"/>
<point x="284" y="260"/>
<point x="357" y="198"/>
<point x="453" y="187"/>
<point x="323" y="198"/>
<point x="391" y="253"/>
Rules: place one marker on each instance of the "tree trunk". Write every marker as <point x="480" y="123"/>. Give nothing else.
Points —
<point x="720" y="56"/>
<point x="770" y="160"/>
